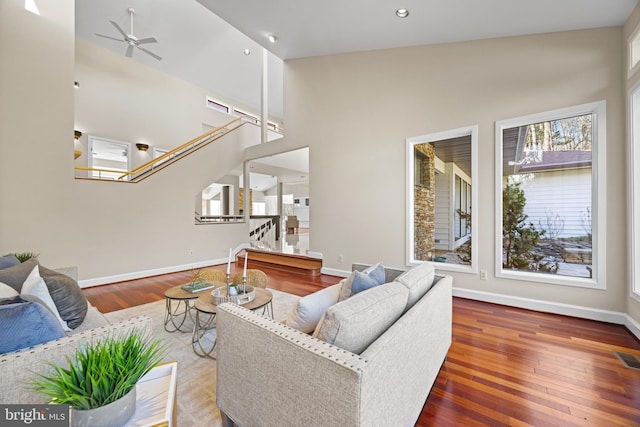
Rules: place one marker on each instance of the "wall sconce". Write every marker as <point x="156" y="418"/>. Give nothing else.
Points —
<point x="77" y="134"/>
<point x="142" y="147"/>
<point x="76" y="85"/>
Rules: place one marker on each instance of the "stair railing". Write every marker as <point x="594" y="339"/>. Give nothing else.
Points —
<point x="154" y="165"/>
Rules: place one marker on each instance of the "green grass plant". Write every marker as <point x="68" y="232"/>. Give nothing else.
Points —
<point x="103" y="372"/>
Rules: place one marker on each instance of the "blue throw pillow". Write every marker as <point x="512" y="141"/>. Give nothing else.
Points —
<point x="376" y="272"/>
<point x="8" y="260"/>
<point x="362" y="282"/>
<point x="25" y="324"/>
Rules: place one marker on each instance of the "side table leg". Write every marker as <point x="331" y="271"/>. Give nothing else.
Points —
<point x="198" y="333"/>
<point x="173" y="318"/>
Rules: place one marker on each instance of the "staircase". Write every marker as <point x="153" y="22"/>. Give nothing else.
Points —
<point x="289" y="263"/>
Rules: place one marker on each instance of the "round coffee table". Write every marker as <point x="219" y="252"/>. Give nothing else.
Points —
<point x="206" y="312"/>
<point x="178" y="307"/>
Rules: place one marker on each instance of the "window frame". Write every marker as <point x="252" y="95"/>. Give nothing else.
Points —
<point x="634" y="188"/>
<point x="632" y="68"/>
<point x="410" y="143"/>
<point x="598" y="195"/>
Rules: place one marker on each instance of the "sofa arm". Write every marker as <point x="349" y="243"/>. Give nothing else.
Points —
<point x="19" y="369"/>
<point x="270" y="374"/>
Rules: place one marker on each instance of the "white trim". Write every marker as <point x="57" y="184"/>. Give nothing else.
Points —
<point x="87" y="283"/>
<point x="409" y="188"/>
<point x="599" y="186"/>
<point x="335" y="272"/>
<point x="634" y="200"/>
<point x="607" y="316"/>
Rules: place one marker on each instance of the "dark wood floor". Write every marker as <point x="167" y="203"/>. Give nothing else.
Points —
<point x="506" y="366"/>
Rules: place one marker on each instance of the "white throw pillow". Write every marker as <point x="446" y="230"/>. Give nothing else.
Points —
<point x="306" y="313"/>
<point x="7" y="291"/>
<point x="35" y="285"/>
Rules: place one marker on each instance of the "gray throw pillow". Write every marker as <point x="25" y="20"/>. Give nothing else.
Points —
<point x="66" y="295"/>
<point x="8" y="260"/>
<point x="25" y="324"/>
<point x="16" y="275"/>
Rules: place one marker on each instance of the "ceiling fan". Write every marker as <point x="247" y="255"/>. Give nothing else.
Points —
<point x="131" y="40"/>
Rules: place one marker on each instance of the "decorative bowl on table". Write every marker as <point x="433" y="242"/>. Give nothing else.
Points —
<point x="244" y="294"/>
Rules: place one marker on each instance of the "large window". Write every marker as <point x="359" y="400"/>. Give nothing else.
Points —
<point x="550" y="191"/>
<point x="441" y="194"/>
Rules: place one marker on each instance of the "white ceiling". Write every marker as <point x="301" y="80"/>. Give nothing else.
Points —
<point x="307" y="29"/>
<point x="201" y="47"/>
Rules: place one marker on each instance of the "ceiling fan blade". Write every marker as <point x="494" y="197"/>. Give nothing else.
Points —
<point x="129" y="53"/>
<point x="109" y="37"/>
<point x="150" y="53"/>
<point x="148" y="40"/>
<point x="120" y="30"/>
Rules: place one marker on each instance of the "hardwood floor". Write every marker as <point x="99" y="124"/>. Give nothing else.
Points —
<point x="506" y="366"/>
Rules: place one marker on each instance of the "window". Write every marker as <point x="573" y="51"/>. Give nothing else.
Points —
<point x="550" y="196"/>
<point x="217" y="105"/>
<point x="634" y="189"/>
<point x="109" y="158"/>
<point x="249" y="117"/>
<point x="634" y="51"/>
<point x="441" y="191"/>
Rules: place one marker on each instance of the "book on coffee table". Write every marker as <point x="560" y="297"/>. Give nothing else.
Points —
<point x="197" y="286"/>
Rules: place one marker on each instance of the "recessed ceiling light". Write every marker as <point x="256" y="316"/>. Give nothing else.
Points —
<point x="272" y="38"/>
<point x="402" y="13"/>
<point x="247" y="52"/>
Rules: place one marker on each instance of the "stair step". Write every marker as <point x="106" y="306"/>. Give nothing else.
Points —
<point x="290" y="263"/>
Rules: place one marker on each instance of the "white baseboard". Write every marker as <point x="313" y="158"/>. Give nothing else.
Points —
<point x="335" y="272"/>
<point x="607" y="316"/>
<point x="147" y="273"/>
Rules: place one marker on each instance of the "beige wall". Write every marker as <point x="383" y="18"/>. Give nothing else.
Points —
<point x="633" y="305"/>
<point x="355" y="111"/>
<point x="127" y="101"/>
<point x="104" y="228"/>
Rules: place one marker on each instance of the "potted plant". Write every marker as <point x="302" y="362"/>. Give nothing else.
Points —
<point x="100" y="382"/>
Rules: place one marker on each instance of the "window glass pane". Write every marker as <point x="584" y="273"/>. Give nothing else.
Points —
<point x="439" y="198"/>
<point x="547" y="197"/>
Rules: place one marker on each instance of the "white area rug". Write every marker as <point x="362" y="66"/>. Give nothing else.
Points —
<point x="196" y="375"/>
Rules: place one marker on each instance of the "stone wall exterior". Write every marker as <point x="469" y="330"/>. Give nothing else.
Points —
<point x="424" y="205"/>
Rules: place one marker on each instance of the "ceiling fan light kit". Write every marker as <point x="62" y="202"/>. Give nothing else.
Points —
<point x="131" y="40"/>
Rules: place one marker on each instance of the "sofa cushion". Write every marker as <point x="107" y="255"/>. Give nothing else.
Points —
<point x="16" y="275"/>
<point x="308" y="310"/>
<point x="353" y="324"/>
<point x="7" y="291"/>
<point x="376" y="272"/>
<point x="8" y="260"/>
<point x="418" y="280"/>
<point x="67" y="295"/>
<point x="35" y="285"/>
<point x="25" y="324"/>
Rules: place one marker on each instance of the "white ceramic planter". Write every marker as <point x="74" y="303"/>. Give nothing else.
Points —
<point x="112" y="415"/>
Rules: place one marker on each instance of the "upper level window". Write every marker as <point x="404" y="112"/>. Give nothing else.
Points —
<point x="633" y="53"/>
<point x="550" y="191"/>
<point x="217" y="105"/>
<point x="249" y="117"/>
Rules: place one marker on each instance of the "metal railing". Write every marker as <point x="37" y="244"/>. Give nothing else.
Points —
<point x="153" y="166"/>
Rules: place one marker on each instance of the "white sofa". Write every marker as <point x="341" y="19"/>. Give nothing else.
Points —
<point x="269" y="374"/>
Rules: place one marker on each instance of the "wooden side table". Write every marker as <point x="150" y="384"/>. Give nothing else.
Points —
<point x="206" y="312"/>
